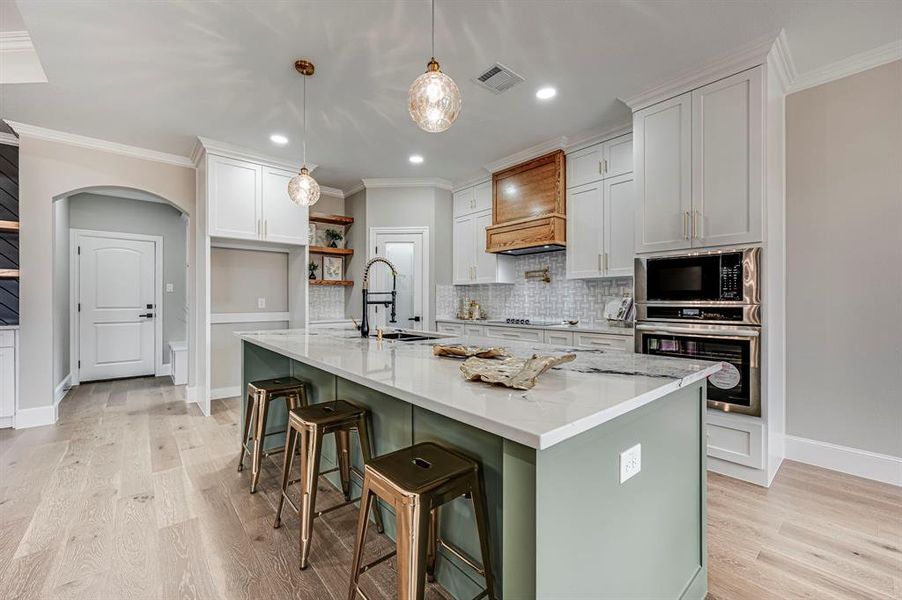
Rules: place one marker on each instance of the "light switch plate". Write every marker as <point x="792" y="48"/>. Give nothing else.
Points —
<point x="630" y="462"/>
<point x="261" y="302"/>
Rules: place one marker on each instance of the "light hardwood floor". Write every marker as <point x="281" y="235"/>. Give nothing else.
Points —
<point x="134" y="494"/>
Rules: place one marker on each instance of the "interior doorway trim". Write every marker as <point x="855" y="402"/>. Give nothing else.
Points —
<point x="74" y="278"/>
<point x="374" y="232"/>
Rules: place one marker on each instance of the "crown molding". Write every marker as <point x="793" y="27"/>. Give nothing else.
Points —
<point x="331" y="191"/>
<point x="596" y="136"/>
<point x="779" y="59"/>
<point x="357" y="188"/>
<point x="469" y="182"/>
<point x="72" y="139"/>
<point x="404" y="182"/>
<point x="747" y="57"/>
<point x="516" y="158"/>
<point x="8" y="139"/>
<point x="856" y="63"/>
<point x="206" y="145"/>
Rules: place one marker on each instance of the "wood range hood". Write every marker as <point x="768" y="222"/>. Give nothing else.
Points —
<point x="529" y="207"/>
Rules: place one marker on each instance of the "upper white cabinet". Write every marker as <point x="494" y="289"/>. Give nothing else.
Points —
<point x="600" y="228"/>
<point x="249" y="201"/>
<point x="728" y="160"/>
<point x="699" y="166"/>
<point x="469" y="200"/>
<point x="607" y="159"/>
<point x="663" y="168"/>
<point x="283" y="221"/>
<point x="471" y="263"/>
<point x="234" y="194"/>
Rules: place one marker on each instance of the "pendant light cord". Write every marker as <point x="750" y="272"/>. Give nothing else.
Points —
<point x="433" y="29"/>
<point x="304" y="144"/>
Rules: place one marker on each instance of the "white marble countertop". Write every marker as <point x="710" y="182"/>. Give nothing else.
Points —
<point x="597" y="387"/>
<point x="581" y="327"/>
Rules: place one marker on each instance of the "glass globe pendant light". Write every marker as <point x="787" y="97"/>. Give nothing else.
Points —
<point x="302" y="188"/>
<point x="433" y="99"/>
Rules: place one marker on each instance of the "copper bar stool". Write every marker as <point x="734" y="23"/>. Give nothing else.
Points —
<point x="259" y="395"/>
<point x="312" y="424"/>
<point x="417" y="481"/>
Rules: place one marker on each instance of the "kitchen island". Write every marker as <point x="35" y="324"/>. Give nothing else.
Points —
<point x="562" y="524"/>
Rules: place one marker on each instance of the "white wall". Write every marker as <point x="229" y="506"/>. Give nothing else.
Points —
<point x="844" y="251"/>
<point x="60" y="291"/>
<point x="124" y="215"/>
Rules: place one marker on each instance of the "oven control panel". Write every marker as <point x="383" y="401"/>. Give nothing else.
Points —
<point x="731" y="276"/>
<point x="696" y="313"/>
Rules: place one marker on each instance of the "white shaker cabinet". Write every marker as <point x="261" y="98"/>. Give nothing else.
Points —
<point x="662" y="138"/>
<point x="472" y="199"/>
<point x="283" y="221"/>
<point x="8" y="384"/>
<point x="600" y="161"/>
<point x="601" y="228"/>
<point x="482" y="196"/>
<point x="234" y="189"/>
<point x="728" y="160"/>
<point x="464" y="249"/>
<point x="471" y="263"/>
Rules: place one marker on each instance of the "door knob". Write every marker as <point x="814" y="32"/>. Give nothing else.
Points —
<point x="415" y="319"/>
<point x="147" y="316"/>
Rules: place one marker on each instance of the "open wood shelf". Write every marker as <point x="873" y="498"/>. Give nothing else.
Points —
<point x="345" y="282"/>
<point x="9" y="273"/>
<point x="332" y="251"/>
<point x="331" y="219"/>
<point x="9" y="226"/>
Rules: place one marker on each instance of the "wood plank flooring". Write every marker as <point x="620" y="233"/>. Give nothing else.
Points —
<point x="134" y="494"/>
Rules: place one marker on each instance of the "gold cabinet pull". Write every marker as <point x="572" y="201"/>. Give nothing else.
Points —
<point x="685" y="216"/>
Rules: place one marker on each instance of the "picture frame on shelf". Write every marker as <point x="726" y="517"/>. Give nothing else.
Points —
<point x="332" y="268"/>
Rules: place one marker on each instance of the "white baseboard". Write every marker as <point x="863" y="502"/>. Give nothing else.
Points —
<point x="6" y="422"/>
<point x="225" y="392"/>
<point x="737" y="471"/>
<point x="164" y="371"/>
<point x="870" y="465"/>
<point x="62" y="389"/>
<point x="35" y="417"/>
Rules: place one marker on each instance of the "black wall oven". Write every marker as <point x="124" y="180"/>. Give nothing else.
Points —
<point x="705" y="306"/>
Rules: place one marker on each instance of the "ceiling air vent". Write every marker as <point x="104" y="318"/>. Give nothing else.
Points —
<point x="498" y="78"/>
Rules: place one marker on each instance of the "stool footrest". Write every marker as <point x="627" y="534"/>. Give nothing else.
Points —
<point x="378" y="561"/>
<point x="462" y="557"/>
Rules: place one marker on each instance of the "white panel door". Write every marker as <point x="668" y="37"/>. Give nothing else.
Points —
<point x="234" y="198"/>
<point x="585" y="231"/>
<point x="620" y="225"/>
<point x="482" y="196"/>
<point x="662" y="138"/>
<point x="728" y="160"/>
<point x="283" y="221"/>
<point x="464" y="244"/>
<point x="406" y="252"/>
<point x="618" y="156"/>
<point x="116" y="295"/>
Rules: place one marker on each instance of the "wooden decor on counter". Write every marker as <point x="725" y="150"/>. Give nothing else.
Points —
<point x="517" y="373"/>
<point x="461" y="351"/>
<point x="529" y="205"/>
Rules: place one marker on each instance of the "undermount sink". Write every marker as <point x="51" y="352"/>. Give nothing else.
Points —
<point x="403" y="336"/>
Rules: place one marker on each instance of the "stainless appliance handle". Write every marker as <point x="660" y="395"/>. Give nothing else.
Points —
<point x="700" y="331"/>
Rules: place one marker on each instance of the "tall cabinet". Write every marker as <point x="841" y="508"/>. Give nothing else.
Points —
<point x="601" y="210"/>
<point x="471" y="264"/>
<point x="700" y="166"/>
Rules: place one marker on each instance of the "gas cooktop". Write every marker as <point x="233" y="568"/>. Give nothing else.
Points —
<point x="517" y="321"/>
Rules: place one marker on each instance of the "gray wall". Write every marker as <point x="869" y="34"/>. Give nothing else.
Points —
<point x="60" y="291"/>
<point x="106" y="213"/>
<point x="844" y="251"/>
<point x="355" y="206"/>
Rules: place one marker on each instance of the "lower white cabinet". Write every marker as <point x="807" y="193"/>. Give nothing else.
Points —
<point x="8" y="384"/>
<point x="601" y="228"/>
<point x="470" y="262"/>
<point x="477" y="330"/>
<point x="603" y="341"/>
<point x="736" y="438"/>
<point x="559" y="337"/>
<point x="513" y="333"/>
<point x="452" y="328"/>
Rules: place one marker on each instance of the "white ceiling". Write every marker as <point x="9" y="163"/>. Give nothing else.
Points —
<point x="157" y="74"/>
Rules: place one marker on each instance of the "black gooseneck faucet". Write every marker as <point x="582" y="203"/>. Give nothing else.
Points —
<point x="364" y="324"/>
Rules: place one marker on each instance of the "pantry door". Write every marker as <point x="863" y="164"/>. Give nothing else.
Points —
<point x="117" y="306"/>
<point x="407" y="249"/>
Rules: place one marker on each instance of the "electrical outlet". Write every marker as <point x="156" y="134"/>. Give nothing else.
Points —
<point x="630" y="462"/>
<point x="169" y="288"/>
<point x="261" y="302"/>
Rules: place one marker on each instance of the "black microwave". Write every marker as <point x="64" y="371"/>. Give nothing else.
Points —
<point x="729" y="276"/>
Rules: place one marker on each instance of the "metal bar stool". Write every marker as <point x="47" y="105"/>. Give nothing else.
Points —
<point x="312" y="423"/>
<point x="259" y="395"/>
<point x="416" y="481"/>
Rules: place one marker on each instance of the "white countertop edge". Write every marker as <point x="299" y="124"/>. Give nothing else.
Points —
<point x="536" y="442"/>
<point x="611" y="330"/>
<point x="8" y="327"/>
<point x="549" y="439"/>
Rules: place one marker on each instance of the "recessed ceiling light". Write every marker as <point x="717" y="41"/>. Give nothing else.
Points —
<point x="278" y="138"/>
<point x="546" y="93"/>
<point x="415" y="159"/>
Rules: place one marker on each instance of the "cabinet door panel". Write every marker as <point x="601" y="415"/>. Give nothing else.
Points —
<point x="283" y="221"/>
<point x="463" y="249"/>
<point x="485" y="263"/>
<point x="585" y="226"/>
<point x="619" y="156"/>
<point x="662" y="137"/>
<point x="7" y="382"/>
<point x="234" y="198"/>
<point x="559" y="337"/>
<point x="620" y="226"/>
<point x="452" y="328"/>
<point x="482" y="196"/>
<point x="462" y="202"/>
<point x="585" y="166"/>
<point x="728" y="160"/>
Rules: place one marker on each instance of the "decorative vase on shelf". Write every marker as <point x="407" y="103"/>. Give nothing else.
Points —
<point x="312" y="268"/>
<point x="334" y="236"/>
